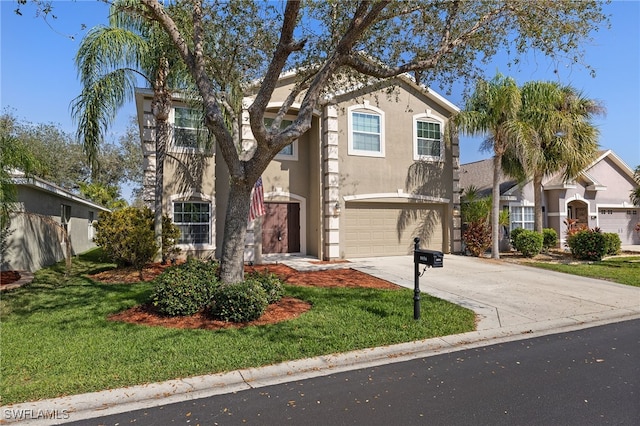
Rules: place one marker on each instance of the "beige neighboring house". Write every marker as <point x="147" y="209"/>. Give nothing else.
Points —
<point x="375" y="170"/>
<point x="42" y="211"/>
<point x="598" y="197"/>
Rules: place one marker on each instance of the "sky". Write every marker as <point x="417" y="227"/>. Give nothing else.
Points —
<point x="38" y="78"/>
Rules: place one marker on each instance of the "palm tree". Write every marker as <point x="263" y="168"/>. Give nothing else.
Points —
<point x="562" y="138"/>
<point x="635" y="193"/>
<point x="109" y="61"/>
<point x="492" y="111"/>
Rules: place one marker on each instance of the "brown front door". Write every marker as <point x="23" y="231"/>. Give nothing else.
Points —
<point x="581" y="216"/>
<point x="281" y="228"/>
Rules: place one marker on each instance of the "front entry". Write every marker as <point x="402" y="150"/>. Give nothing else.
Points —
<point x="578" y="211"/>
<point x="281" y="228"/>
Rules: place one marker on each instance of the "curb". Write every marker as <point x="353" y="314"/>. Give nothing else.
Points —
<point x="97" y="404"/>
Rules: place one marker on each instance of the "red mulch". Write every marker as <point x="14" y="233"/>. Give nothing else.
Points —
<point x="8" y="277"/>
<point x="287" y="308"/>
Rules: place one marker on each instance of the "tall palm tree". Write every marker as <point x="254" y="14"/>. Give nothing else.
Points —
<point x="492" y="111"/>
<point x="110" y="60"/>
<point x="562" y="137"/>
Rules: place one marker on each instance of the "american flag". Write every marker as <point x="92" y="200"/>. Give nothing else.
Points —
<point x="257" y="201"/>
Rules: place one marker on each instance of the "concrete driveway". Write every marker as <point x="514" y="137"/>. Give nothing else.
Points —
<point x="507" y="295"/>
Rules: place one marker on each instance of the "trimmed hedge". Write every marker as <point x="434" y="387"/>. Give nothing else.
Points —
<point x="529" y="243"/>
<point x="613" y="243"/>
<point x="242" y="302"/>
<point x="588" y="244"/>
<point x="185" y="289"/>
<point x="549" y="238"/>
<point x="271" y="284"/>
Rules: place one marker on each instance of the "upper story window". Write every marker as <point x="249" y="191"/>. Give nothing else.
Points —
<point x="366" y="130"/>
<point x="188" y="129"/>
<point x="289" y="152"/>
<point x="428" y="144"/>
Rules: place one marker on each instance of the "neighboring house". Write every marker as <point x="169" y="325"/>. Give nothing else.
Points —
<point x="598" y="197"/>
<point x="41" y="212"/>
<point x="375" y="170"/>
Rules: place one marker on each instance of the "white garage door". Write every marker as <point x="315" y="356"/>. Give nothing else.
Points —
<point x="621" y="222"/>
<point x="376" y="229"/>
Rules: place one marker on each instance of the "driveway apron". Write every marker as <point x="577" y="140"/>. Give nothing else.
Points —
<point x="506" y="295"/>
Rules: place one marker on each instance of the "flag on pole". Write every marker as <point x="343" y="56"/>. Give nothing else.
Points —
<point x="257" y="201"/>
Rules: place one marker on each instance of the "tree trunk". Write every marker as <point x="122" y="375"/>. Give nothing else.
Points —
<point x="161" y="107"/>
<point x="537" y="202"/>
<point x="232" y="260"/>
<point x="495" y="207"/>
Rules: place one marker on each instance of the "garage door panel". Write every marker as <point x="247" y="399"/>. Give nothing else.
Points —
<point x="372" y="229"/>
<point x="621" y="222"/>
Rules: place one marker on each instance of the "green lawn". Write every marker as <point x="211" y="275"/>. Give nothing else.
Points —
<point x="623" y="270"/>
<point x="56" y="340"/>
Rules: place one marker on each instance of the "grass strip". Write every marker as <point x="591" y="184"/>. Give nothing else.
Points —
<point x="56" y="340"/>
<point x="622" y="270"/>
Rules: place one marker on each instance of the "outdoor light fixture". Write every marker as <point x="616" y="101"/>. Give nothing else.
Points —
<point x="337" y="208"/>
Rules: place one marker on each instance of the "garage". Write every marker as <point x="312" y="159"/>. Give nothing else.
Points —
<point x="621" y="222"/>
<point x="388" y="229"/>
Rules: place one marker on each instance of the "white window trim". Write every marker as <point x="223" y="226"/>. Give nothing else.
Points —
<point x="520" y="206"/>
<point x="197" y="198"/>
<point x="367" y="109"/>
<point x="427" y="117"/>
<point x="294" y="144"/>
<point x="172" y="141"/>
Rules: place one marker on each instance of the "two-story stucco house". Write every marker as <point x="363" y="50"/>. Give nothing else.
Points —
<point x="376" y="169"/>
<point x="598" y="197"/>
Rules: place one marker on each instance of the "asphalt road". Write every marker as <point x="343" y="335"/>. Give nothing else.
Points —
<point x="586" y="377"/>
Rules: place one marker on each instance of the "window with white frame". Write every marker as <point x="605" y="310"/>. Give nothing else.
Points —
<point x="188" y="130"/>
<point x="193" y="218"/>
<point x="427" y="138"/>
<point x="521" y="217"/>
<point x="366" y="131"/>
<point x="289" y="152"/>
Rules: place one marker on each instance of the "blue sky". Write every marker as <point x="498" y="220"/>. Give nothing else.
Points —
<point x="38" y="79"/>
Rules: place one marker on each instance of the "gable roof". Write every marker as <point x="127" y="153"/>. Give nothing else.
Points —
<point x="480" y="175"/>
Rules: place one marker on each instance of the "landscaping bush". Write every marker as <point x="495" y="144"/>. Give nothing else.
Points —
<point x="271" y="284"/>
<point x="242" y="302"/>
<point x="185" y="289"/>
<point x="549" y="239"/>
<point x="127" y="236"/>
<point x="613" y="243"/>
<point x="514" y="234"/>
<point x="588" y="244"/>
<point x="529" y="243"/>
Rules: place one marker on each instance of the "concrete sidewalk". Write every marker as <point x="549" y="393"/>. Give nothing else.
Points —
<point x="513" y="302"/>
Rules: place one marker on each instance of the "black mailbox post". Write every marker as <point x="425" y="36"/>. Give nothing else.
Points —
<point x="430" y="258"/>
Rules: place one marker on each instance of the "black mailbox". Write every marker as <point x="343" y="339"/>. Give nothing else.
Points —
<point x="428" y="257"/>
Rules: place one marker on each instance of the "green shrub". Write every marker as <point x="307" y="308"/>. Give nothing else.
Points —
<point x="513" y="235"/>
<point x="588" y="244"/>
<point x="477" y="237"/>
<point x="126" y="236"/>
<point x="549" y="239"/>
<point x="613" y="243"/>
<point x="185" y="289"/>
<point x="271" y="284"/>
<point x="529" y="243"/>
<point x="242" y="302"/>
<point x="170" y="236"/>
